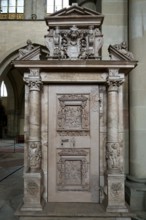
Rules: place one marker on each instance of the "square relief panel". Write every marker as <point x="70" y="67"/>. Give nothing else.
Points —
<point x="72" y="113"/>
<point x="73" y="169"/>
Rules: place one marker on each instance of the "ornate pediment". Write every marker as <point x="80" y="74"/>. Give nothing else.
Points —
<point x="74" y="43"/>
<point x="30" y="52"/>
<point x="74" y="33"/>
<point x="120" y="52"/>
<point x="74" y="15"/>
<point x="75" y="10"/>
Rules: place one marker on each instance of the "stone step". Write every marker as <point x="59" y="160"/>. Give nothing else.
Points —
<point x="71" y="218"/>
<point x="72" y="211"/>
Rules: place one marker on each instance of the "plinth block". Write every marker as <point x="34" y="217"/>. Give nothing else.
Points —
<point x="116" y="193"/>
<point x="33" y="192"/>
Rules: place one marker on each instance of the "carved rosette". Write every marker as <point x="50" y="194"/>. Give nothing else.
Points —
<point x="32" y="188"/>
<point x="113" y="157"/>
<point x="35" y="156"/>
<point x="116" y="191"/>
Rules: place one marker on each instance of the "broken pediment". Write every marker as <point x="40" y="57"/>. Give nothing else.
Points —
<point x="120" y="52"/>
<point x="30" y="52"/>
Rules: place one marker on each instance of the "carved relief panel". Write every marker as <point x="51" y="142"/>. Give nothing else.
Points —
<point x="74" y="43"/>
<point x="72" y="113"/>
<point x="73" y="169"/>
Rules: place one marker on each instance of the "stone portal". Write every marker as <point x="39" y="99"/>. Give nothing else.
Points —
<point x="74" y="118"/>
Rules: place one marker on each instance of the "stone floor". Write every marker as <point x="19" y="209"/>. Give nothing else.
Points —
<point x="11" y="180"/>
<point x="11" y="185"/>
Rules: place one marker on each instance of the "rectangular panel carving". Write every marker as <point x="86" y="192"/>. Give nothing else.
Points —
<point x="72" y="169"/>
<point x="72" y="114"/>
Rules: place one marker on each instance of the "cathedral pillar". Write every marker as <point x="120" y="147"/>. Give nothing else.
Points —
<point x="88" y="4"/>
<point x="35" y="9"/>
<point x="33" y="177"/>
<point x="114" y="151"/>
<point x="137" y="41"/>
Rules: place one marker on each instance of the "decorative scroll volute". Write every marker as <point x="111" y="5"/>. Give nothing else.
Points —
<point x="34" y="80"/>
<point x="114" y="80"/>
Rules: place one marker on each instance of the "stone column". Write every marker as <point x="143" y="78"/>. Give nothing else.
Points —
<point x="115" y="176"/>
<point x="33" y="177"/>
<point x="35" y="9"/>
<point x="136" y="183"/>
<point x="88" y="4"/>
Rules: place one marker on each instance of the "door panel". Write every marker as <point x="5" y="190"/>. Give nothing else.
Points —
<point x="73" y="158"/>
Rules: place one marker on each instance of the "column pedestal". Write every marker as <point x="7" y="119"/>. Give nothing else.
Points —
<point x="33" y="178"/>
<point x="116" y="193"/>
<point x="33" y="189"/>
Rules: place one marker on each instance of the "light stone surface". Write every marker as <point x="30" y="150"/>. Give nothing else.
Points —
<point x="18" y="38"/>
<point x="32" y="192"/>
<point x="115" y="23"/>
<point x="116" y="193"/>
<point x="74" y="146"/>
<point x="137" y="89"/>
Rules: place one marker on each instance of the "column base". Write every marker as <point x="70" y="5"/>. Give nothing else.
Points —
<point x="116" y="193"/>
<point x="34" y="207"/>
<point x="117" y="209"/>
<point x="33" y="192"/>
<point x="136" y="193"/>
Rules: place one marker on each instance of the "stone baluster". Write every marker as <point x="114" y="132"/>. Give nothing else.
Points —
<point x="115" y="176"/>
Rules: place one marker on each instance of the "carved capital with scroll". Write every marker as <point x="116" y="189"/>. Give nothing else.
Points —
<point x="34" y="80"/>
<point x="114" y="80"/>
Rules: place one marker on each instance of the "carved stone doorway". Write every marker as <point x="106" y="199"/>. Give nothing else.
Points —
<point x="73" y="155"/>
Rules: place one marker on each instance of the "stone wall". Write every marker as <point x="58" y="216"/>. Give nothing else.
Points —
<point x="15" y="33"/>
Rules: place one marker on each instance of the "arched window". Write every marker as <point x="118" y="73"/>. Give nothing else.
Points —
<point x="3" y="90"/>
<point x="11" y="9"/>
<point x="55" y="5"/>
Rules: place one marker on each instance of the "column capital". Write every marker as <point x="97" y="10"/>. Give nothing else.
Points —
<point x="33" y="80"/>
<point x="114" y="80"/>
